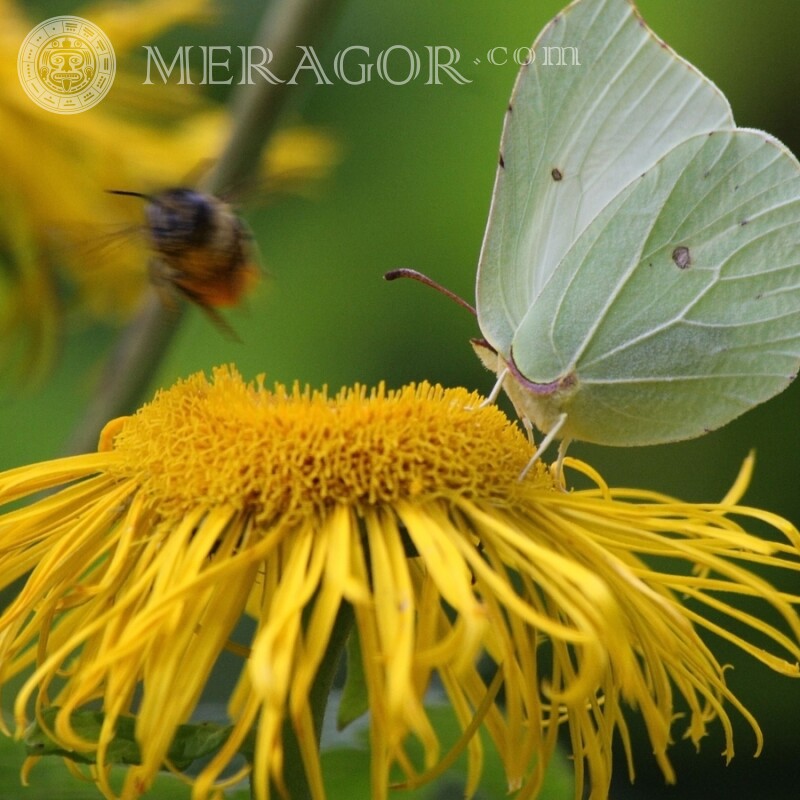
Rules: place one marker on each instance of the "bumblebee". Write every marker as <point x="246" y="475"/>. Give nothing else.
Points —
<point x="201" y="250"/>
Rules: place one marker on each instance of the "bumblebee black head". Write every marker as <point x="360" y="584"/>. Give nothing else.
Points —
<point x="178" y="217"/>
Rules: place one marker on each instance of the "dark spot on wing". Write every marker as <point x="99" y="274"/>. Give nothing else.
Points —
<point x="557" y="174"/>
<point x="682" y="257"/>
<point x="744" y="221"/>
<point x="706" y="173"/>
<point x="502" y="162"/>
<point x="510" y="108"/>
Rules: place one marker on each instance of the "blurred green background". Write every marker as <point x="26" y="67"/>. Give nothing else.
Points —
<point x="413" y="189"/>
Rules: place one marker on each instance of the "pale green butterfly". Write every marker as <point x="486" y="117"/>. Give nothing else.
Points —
<point x="639" y="280"/>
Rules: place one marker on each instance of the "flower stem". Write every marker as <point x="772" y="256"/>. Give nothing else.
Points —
<point x="294" y="775"/>
<point x="286" y="25"/>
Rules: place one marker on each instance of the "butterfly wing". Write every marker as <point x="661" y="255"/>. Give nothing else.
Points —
<point x="678" y="308"/>
<point x="575" y="135"/>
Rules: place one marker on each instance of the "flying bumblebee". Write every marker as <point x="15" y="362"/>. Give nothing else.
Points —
<point x="201" y="250"/>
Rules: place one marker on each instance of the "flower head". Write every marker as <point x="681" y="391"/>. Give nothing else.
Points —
<point x="224" y="498"/>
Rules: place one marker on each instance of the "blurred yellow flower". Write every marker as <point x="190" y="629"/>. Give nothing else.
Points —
<point x="224" y="498"/>
<point x="55" y="214"/>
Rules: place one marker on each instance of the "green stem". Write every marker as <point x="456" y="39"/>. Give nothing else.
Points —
<point x="137" y="355"/>
<point x="127" y="372"/>
<point x="294" y="772"/>
<point x="286" y="26"/>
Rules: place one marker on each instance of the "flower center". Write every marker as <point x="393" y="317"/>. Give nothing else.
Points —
<point x="227" y="442"/>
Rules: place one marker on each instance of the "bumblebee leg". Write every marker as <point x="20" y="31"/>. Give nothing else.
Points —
<point x="162" y="278"/>
<point x="219" y="321"/>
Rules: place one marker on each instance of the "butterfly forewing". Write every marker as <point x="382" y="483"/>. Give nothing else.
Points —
<point x="602" y="102"/>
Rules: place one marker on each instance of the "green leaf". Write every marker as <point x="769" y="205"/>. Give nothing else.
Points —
<point x="355" y="701"/>
<point x="50" y="779"/>
<point x="191" y="742"/>
<point x="86" y="724"/>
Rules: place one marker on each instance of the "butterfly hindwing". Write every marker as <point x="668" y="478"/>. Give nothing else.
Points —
<point x="679" y="306"/>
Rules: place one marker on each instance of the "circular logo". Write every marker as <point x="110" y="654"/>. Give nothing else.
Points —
<point x="66" y="65"/>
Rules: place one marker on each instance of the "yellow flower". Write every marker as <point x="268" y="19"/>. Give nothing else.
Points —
<point x="60" y="231"/>
<point x="223" y="498"/>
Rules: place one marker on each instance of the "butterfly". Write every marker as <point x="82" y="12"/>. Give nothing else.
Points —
<point x="639" y="278"/>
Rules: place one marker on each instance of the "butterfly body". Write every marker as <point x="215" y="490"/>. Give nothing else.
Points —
<point x="639" y="280"/>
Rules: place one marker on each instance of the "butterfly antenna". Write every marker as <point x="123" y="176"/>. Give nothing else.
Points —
<point x="404" y="272"/>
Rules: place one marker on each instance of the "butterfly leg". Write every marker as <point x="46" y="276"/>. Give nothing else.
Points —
<point x="528" y="425"/>
<point x="562" y="452"/>
<point x="551" y="434"/>
<point x="493" y="395"/>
